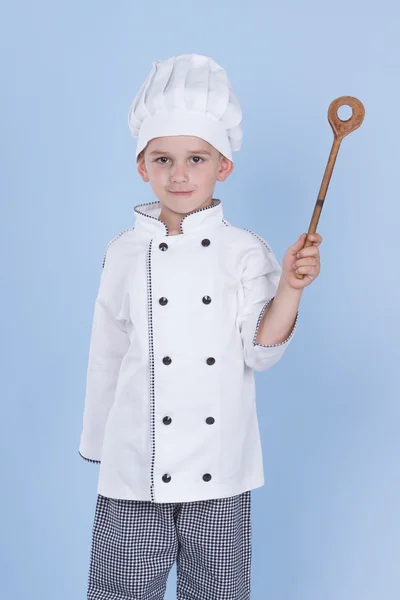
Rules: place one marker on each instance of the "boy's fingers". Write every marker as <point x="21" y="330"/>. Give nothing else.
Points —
<point x="309" y="251"/>
<point x="315" y="238"/>
<point x="306" y="262"/>
<point x="298" y="246"/>
<point x="299" y="243"/>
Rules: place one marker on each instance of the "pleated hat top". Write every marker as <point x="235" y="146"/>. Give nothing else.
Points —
<point x="189" y="94"/>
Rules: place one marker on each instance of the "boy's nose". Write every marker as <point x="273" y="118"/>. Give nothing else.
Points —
<point x="179" y="174"/>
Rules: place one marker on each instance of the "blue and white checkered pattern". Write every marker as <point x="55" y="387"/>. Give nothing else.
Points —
<point x="136" y="543"/>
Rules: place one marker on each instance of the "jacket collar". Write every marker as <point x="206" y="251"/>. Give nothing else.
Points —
<point x="203" y="218"/>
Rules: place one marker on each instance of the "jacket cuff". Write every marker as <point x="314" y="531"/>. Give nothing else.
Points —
<point x="91" y="460"/>
<point x="262" y="357"/>
<point x="285" y="342"/>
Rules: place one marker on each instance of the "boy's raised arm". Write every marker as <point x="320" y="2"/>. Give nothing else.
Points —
<point x="260" y="281"/>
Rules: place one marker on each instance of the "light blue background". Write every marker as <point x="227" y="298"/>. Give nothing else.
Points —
<point x="326" y="524"/>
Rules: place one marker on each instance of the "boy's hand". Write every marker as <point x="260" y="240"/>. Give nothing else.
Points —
<point x="305" y="261"/>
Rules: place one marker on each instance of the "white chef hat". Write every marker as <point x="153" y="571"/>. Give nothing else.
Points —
<point x="189" y="94"/>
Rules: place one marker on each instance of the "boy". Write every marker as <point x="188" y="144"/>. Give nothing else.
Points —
<point x="188" y="307"/>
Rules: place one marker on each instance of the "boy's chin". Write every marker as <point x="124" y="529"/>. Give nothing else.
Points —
<point x="184" y="205"/>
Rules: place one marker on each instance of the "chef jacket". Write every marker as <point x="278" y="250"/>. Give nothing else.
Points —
<point x="170" y="410"/>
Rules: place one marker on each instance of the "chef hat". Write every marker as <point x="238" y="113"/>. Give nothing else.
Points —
<point x="189" y="94"/>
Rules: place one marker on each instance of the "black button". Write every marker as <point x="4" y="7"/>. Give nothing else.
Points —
<point x="163" y="246"/>
<point x="206" y="299"/>
<point x="167" y="420"/>
<point x="207" y="477"/>
<point x="167" y="360"/>
<point x="166" y="478"/>
<point x="205" y="242"/>
<point x="163" y="301"/>
<point x="210" y="420"/>
<point x="211" y="360"/>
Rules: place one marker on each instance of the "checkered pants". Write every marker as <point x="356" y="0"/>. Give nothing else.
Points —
<point x="136" y="543"/>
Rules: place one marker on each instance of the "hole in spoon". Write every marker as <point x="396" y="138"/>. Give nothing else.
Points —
<point x="345" y="112"/>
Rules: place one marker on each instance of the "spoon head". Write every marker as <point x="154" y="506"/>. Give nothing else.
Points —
<point x="340" y="127"/>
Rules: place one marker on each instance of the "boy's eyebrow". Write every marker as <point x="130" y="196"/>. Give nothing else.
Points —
<point x="196" y="152"/>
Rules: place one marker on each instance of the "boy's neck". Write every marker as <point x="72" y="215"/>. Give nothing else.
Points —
<point x="173" y="219"/>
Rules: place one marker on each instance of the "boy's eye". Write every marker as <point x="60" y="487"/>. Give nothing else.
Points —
<point x="163" y="159"/>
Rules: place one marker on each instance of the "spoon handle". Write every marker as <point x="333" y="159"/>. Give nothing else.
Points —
<point x="340" y="130"/>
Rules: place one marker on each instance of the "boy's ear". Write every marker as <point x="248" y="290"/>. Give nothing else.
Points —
<point x="225" y="168"/>
<point x="141" y="166"/>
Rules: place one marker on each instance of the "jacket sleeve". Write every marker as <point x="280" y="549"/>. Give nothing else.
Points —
<point x="108" y="344"/>
<point x="260" y="278"/>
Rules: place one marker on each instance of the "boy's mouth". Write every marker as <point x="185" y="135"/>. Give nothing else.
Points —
<point x="180" y="193"/>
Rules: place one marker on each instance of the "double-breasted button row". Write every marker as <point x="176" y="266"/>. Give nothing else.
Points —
<point x="164" y="301"/>
<point x="167" y="477"/>
<point x="167" y="360"/>
<point x="163" y="246"/>
<point x="167" y="420"/>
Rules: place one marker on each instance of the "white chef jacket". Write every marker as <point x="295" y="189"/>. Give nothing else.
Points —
<point x="170" y="409"/>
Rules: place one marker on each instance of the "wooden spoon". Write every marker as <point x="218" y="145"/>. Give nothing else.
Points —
<point x="340" y="130"/>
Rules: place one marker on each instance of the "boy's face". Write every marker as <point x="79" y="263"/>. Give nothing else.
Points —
<point x="183" y="164"/>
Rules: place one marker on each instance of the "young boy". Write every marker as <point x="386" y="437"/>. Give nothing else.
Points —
<point x="188" y="307"/>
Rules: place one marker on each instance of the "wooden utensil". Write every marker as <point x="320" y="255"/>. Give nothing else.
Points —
<point x="340" y="128"/>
